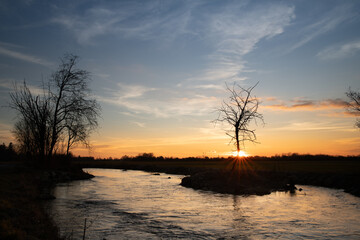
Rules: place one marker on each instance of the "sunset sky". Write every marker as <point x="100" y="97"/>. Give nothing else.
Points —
<point x="159" y="70"/>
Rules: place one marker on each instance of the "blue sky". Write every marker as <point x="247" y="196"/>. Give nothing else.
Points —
<point x="159" y="69"/>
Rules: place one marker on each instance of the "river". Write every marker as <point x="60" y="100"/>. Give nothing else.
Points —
<point x="140" y="205"/>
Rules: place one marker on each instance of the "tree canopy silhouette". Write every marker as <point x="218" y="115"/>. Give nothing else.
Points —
<point x="238" y="112"/>
<point x="63" y="115"/>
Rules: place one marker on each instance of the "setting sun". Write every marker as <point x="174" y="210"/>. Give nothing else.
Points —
<point x="241" y="154"/>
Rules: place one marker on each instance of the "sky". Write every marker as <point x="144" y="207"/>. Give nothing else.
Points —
<point x="159" y="70"/>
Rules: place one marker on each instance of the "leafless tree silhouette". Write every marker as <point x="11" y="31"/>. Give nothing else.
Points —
<point x="63" y="115"/>
<point x="354" y="104"/>
<point x="32" y="127"/>
<point x="73" y="113"/>
<point x="239" y="111"/>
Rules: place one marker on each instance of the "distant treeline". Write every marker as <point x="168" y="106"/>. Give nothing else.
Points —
<point x="283" y="157"/>
<point x="11" y="153"/>
<point x="8" y="153"/>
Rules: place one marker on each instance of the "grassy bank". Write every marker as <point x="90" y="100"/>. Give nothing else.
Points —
<point x="22" y="215"/>
<point x="23" y="193"/>
<point x="263" y="174"/>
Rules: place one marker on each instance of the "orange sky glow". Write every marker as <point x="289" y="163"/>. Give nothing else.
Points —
<point x="159" y="69"/>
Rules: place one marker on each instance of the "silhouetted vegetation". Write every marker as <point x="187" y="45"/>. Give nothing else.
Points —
<point x="354" y="104"/>
<point x="23" y="191"/>
<point x="8" y="153"/>
<point x="239" y="111"/>
<point x="22" y="214"/>
<point x="61" y="116"/>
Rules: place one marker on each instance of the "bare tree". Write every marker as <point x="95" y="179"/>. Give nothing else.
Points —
<point x="238" y="112"/>
<point x="74" y="113"/>
<point x="32" y="127"/>
<point x="354" y="104"/>
<point x="65" y="114"/>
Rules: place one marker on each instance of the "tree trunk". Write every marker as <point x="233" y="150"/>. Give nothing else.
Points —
<point x="237" y="141"/>
<point x="68" y="145"/>
<point x="54" y="136"/>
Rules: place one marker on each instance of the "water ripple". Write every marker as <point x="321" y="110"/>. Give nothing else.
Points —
<point x="138" y="205"/>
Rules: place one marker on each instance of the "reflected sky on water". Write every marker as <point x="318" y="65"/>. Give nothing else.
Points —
<point x="134" y="204"/>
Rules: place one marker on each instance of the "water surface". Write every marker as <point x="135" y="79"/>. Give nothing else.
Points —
<point x="139" y="205"/>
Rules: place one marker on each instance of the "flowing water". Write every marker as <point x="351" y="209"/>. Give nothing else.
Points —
<point x="139" y="205"/>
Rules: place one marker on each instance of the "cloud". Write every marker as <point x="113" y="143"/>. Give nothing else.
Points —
<point x="24" y="57"/>
<point x="173" y="107"/>
<point x="9" y="84"/>
<point x="161" y="103"/>
<point x="146" y="21"/>
<point x="230" y="29"/>
<point x="307" y="105"/>
<point x="338" y="52"/>
<point x="128" y="96"/>
<point x="237" y="30"/>
<point x="125" y="92"/>
<point x="132" y="91"/>
<point x="234" y="32"/>
<point x="209" y="86"/>
<point x="93" y="23"/>
<point x="312" y="126"/>
<point x="326" y="23"/>
<point x="139" y="124"/>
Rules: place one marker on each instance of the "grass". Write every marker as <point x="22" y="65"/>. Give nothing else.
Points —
<point x="22" y="215"/>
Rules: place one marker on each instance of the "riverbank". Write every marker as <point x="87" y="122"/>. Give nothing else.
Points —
<point x="262" y="183"/>
<point x="23" y="193"/>
<point x="252" y="175"/>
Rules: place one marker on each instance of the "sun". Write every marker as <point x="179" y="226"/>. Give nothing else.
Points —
<point x="241" y="154"/>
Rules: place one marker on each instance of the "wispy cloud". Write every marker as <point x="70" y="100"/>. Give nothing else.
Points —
<point x="173" y="107"/>
<point x="129" y="96"/>
<point x="139" y="124"/>
<point x="234" y="32"/>
<point x="237" y="30"/>
<point x="4" y="50"/>
<point x="95" y="22"/>
<point x="159" y="102"/>
<point x="326" y="23"/>
<point x="210" y="86"/>
<point x="10" y="85"/>
<point x="231" y="30"/>
<point x="342" y="51"/>
<point x="132" y="91"/>
<point x="307" y="105"/>
<point x="312" y="126"/>
<point x="145" y="21"/>
<point x="7" y="83"/>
